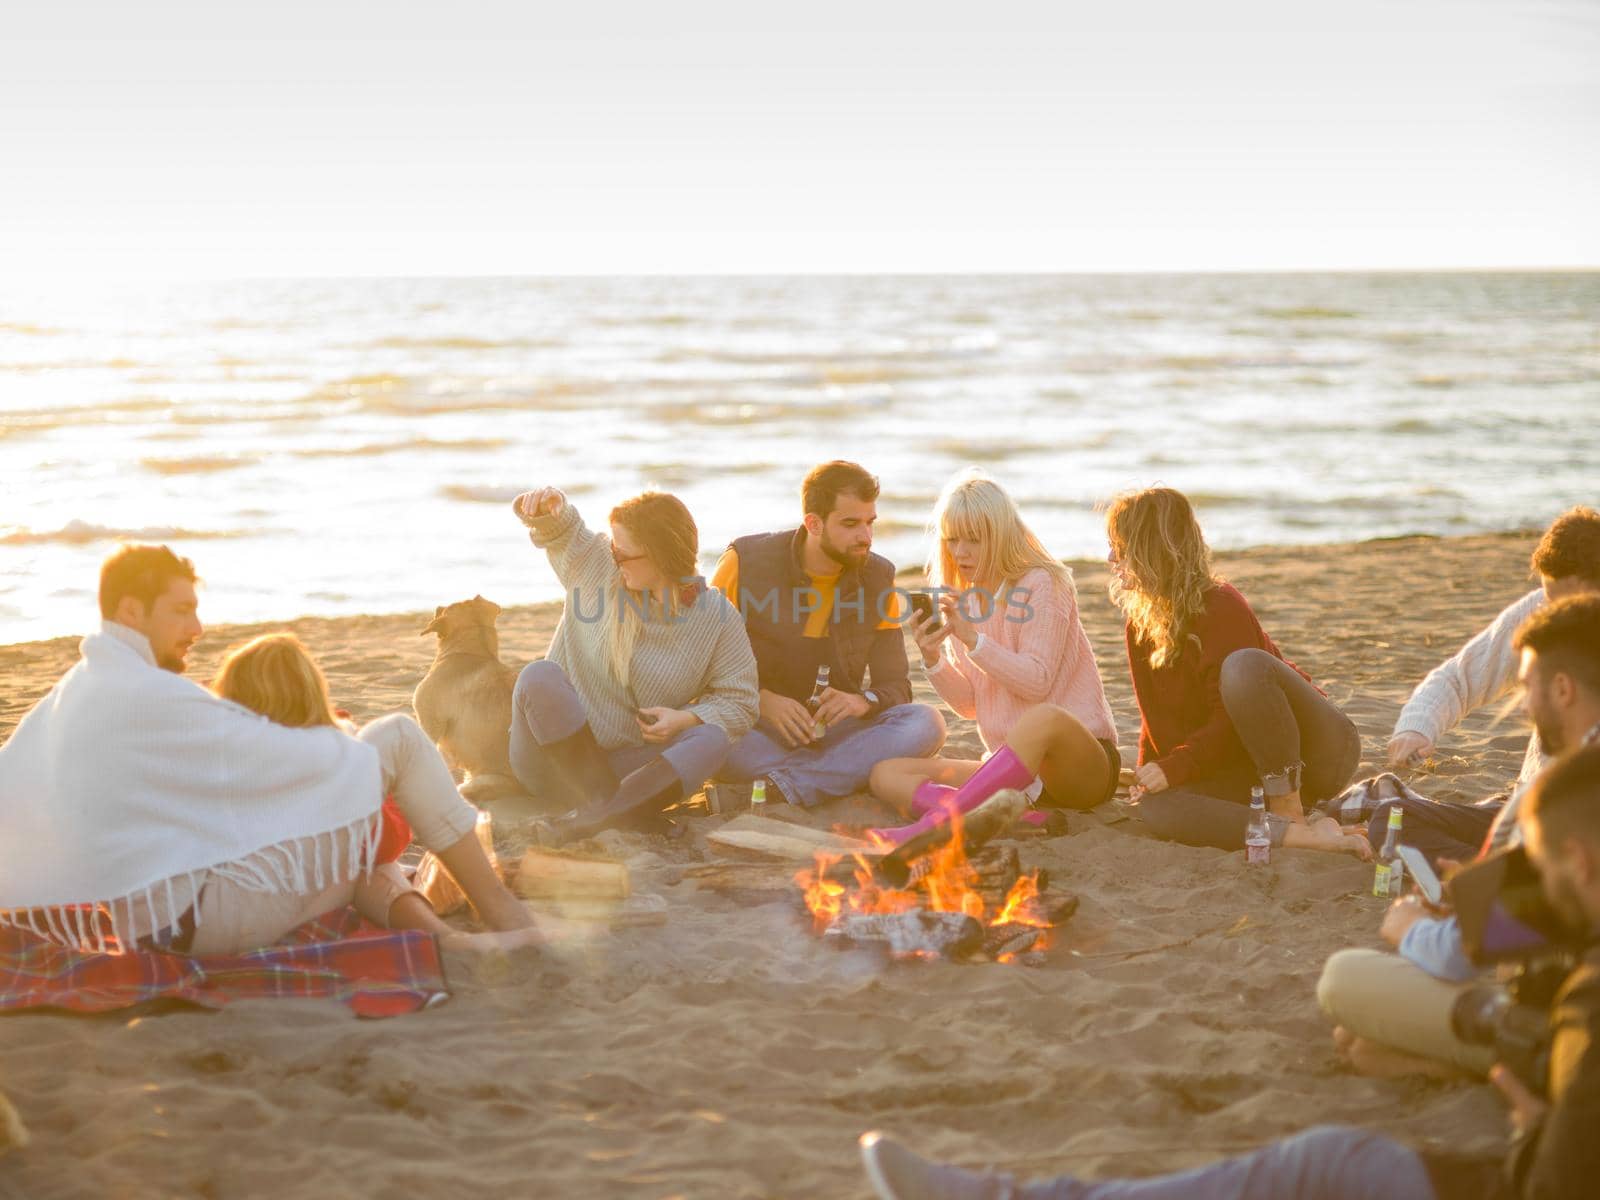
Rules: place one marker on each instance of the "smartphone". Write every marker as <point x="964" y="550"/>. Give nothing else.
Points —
<point x="1427" y="882"/>
<point x="647" y="718"/>
<point x="923" y="606"/>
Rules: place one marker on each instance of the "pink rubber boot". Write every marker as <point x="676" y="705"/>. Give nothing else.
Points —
<point x="930" y="797"/>
<point x="1002" y="769"/>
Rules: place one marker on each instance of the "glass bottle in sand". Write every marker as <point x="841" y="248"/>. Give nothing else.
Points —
<point x="1257" y="837"/>
<point x="1389" y="877"/>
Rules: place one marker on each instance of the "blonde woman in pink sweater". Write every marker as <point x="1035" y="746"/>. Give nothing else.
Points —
<point x="1007" y="648"/>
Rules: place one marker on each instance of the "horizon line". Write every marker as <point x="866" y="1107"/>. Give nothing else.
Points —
<point x="35" y="279"/>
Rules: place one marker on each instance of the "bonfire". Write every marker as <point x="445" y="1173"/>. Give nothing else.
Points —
<point x="978" y="906"/>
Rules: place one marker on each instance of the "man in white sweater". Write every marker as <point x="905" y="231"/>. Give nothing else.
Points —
<point x="135" y="804"/>
<point x="1392" y="1010"/>
<point x="1567" y="562"/>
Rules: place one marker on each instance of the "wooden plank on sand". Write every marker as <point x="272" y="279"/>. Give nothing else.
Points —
<point x="642" y="908"/>
<point x="781" y="839"/>
<point x="546" y="874"/>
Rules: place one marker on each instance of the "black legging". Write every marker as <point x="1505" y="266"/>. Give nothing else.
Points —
<point x="1438" y="828"/>
<point x="1287" y="727"/>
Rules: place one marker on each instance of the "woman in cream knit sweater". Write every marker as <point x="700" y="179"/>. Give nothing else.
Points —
<point x="649" y="679"/>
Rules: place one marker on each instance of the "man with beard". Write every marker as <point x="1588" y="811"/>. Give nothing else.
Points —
<point x="1554" y="1154"/>
<point x="817" y="598"/>
<point x="1567" y="563"/>
<point x="192" y="822"/>
<point x="1392" y="1011"/>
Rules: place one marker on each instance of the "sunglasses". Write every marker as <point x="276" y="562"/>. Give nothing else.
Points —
<point x="620" y="558"/>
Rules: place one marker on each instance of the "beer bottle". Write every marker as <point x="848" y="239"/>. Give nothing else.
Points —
<point x="758" y="796"/>
<point x="1388" y="880"/>
<point x="1257" y="838"/>
<point x="819" y="727"/>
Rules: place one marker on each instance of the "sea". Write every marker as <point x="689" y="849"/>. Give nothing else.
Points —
<point x="332" y="446"/>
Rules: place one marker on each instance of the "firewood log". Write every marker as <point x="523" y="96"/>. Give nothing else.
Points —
<point x="544" y="873"/>
<point x="1009" y="939"/>
<point x="915" y="931"/>
<point x="989" y="820"/>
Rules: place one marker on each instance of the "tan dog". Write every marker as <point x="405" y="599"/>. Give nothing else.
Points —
<point x="464" y="701"/>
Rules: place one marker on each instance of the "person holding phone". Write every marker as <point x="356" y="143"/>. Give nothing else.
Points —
<point x="1004" y="646"/>
<point x="649" y="678"/>
<point x="1391" y="1011"/>
<point x="1553" y="1153"/>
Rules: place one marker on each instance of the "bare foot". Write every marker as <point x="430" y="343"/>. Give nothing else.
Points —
<point x="1288" y="807"/>
<point x="1326" y="834"/>
<point x="492" y="942"/>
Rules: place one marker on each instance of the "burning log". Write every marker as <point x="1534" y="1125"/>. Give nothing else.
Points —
<point x="1001" y="941"/>
<point x="989" y="820"/>
<point x="915" y="931"/>
<point x="1055" y="908"/>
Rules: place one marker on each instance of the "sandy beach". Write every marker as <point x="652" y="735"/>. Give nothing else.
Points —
<point x="728" y="1053"/>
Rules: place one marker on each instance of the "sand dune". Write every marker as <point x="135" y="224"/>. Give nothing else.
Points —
<point x="730" y="1054"/>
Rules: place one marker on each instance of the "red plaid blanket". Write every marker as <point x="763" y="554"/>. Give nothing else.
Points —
<point x="371" y="971"/>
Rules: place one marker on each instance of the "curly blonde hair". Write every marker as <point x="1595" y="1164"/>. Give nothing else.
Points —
<point x="276" y="676"/>
<point x="1166" y="564"/>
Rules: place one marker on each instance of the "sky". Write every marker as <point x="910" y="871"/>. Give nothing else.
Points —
<point x="358" y="138"/>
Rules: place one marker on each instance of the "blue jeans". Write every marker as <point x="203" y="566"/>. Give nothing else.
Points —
<point x="840" y="762"/>
<point x="1330" y="1162"/>
<point x="545" y="708"/>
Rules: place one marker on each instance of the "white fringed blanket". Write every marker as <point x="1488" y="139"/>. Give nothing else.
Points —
<point x="128" y="785"/>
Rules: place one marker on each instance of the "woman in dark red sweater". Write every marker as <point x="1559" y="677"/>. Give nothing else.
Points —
<point x="1220" y="709"/>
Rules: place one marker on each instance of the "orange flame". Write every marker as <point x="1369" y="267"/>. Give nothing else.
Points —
<point x="942" y="881"/>
<point x="1019" y="908"/>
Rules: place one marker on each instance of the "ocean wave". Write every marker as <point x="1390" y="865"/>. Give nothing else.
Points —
<point x="75" y="364"/>
<point x="43" y="420"/>
<point x="883" y="366"/>
<point x="407" y="396"/>
<point x="628" y="320"/>
<point x="1406" y="425"/>
<point x="687" y="474"/>
<point x="1238" y="362"/>
<point x="988" y="450"/>
<point x="1201" y="498"/>
<point x="743" y="412"/>
<point x="78" y="533"/>
<point x="376" y="448"/>
<point x="456" y="342"/>
<point x="1309" y="312"/>
<point x="476" y="493"/>
<point x="198" y="465"/>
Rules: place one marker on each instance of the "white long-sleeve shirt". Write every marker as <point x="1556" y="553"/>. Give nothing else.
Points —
<point x="1482" y="671"/>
